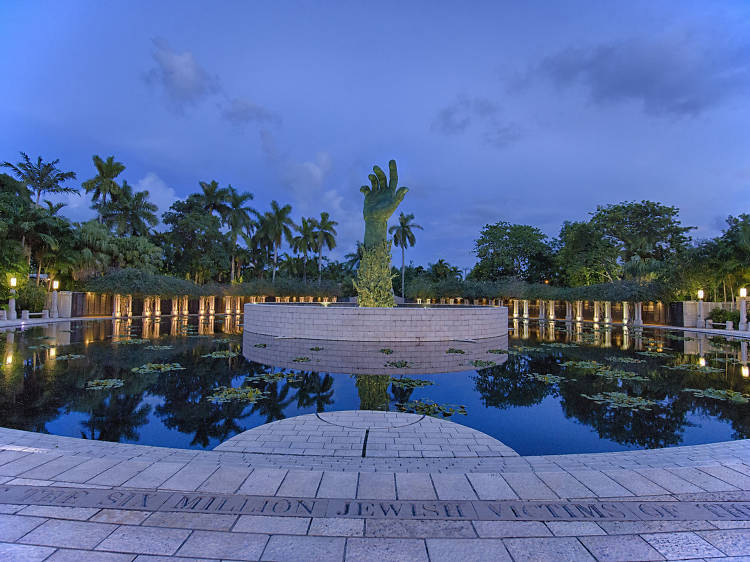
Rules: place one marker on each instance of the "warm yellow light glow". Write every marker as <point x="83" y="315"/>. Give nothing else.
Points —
<point x="13" y="281"/>
<point x="743" y="292"/>
<point x="700" y="294"/>
<point x="9" y="360"/>
<point x="745" y="371"/>
<point x="55" y="285"/>
<point x="52" y="353"/>
<point x="702" y="362"/>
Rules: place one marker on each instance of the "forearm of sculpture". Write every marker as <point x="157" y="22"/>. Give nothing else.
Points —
<point x="376" y="231"/>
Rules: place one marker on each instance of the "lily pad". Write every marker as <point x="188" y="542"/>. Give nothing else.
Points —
<point x="386" y="351"/>
<point x="224" y="354"/>
<point x="157" y="368"/>
<point x="225" y="394"/>
<point x="104" y="384"/>
<point x="621" y="400"/>
<point x="482" y="363"/>
<point x="455" y="350"/>
<point x="653" y="353"/>
<point x="260" y="345"/>
<point x="69" y="357"/>
<point x="131" y="341"/>
<point x="406" y="382"/>
<point x="498" y="351"/>
<point x="301" y="359"/>
<point x="616" y="359"/>
<point x="158" y="347"/>
<point x="316" y="348"/>
<point x="547" y="379"/>
<point x="615" y="374"/>
<point x="397" y="364"/>
<point x="582" y="365"/>
<point x="428" y="407"/>
<point x="728" y="395"/>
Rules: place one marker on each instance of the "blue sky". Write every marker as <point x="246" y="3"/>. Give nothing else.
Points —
<point x="531" y="112"/>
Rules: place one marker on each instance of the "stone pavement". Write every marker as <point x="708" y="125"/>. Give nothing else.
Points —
<point x="70" y="499"/>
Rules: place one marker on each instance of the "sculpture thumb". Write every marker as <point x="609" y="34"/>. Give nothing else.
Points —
<point x="401" y="193"/>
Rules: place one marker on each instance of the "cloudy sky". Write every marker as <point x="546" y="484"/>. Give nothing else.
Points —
<point x="530" y="112"/>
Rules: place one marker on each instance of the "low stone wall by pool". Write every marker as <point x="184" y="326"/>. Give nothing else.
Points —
<point x="376" y="324"/>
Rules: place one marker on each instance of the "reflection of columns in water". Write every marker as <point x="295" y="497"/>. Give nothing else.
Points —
<point x="156" y="328"/>
<point x="541" y="310"/>
<point x="625" y="312"/>
<point x="540" y="329"/>
<point x="373" y="391"/>
<point x="146" y="328"/>
<point x="10" y="339"/>
<point x="525" y="330"/>
<point x="568" y="331"/>
<point x="551" y="331"/>
<point x="227" y="329"/>
<point x="743" y="351"/>
<point x="173" y="326"/>
<point x="608" y="337"/>
<point x="515" y="327"/>
<point x="625" y="337"/>
<point x="596" y="312"/>
<point x="63" y="332"/>
<point x="237" y="324"/>
<point x="607" y="312"/>
<point x="579" y="332"/>
<point x="116" y="327"/>
<point x="551" y="310"/>
<point x="525" y="309"/>
<point x="515" y="308"/>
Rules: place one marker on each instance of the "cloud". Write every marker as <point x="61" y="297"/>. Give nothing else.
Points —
<point x="183" y="80"/>
<point x="241" y="111"/>
<point x="159" y="192"/>
<point x="675" y="74"/>
<point x="459" y="116"/>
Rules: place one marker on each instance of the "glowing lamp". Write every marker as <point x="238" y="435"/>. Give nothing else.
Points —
<point x="55" y="285"/>
<point x="13" y="281"/>
<point x="743" y="292"/>
<point x="700" y="294"/>
<point x="745" y="371"/>
<point x="702" y="362"/>
<point x="9" y="360"/>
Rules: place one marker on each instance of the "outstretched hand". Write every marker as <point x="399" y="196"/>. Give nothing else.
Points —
<point x="382" y="197"/>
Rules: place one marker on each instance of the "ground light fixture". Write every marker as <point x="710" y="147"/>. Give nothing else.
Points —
<point x="55" y="285"/>
<point x="745" y="371"/>
<point x="743" y="292"/>
<point x="701" y="294"/>
<point x="13" y="282"/>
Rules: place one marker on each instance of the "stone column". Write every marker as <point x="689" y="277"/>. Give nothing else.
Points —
<point x="526" y="309"/>
<point x="130" y="305"/>
<point x="175" y="309"/>
<point x="157" y="306"/>
<point x="53" y="307"/>
<point x="579" y="311"/>
<point x="238" y="305"/>
<point x="541" y="310"/>
<point x="638" y="318"/>
<point x="227" y="305"/>
<point x="515" y="308"/>
<point x="607" y="312"/>
<point x="146" y="307"/>
<point x="625" y="312"/>
<point x="568" y="311"/>
<point x="596" y="312"/>
<point x="700" y="322"/>
<point x="185" y="305"/>
<point x="743" y="314"/>
<point x="201" y="306"/>
<point x="212" y="305"/>
<point x="116" y="306"/>
<point x="551" y="310"/>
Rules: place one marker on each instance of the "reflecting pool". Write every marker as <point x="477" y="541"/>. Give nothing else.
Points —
<point x="547" y="388"/>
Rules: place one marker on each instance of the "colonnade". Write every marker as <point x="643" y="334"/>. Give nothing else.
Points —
<point x="602" y="311"/>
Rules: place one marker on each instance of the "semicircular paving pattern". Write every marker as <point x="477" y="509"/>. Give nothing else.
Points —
<point x="358" y="433"/>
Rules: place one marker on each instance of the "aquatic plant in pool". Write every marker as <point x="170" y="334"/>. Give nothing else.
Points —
<point x="565" y="390"/>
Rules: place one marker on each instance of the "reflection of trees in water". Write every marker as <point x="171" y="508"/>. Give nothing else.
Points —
<point x="116" y="417"/>
<point x="314" y="389"/>
<point x="275" y="400"/>
<point x="506" y="386"/>
<point x="373" y="391"/>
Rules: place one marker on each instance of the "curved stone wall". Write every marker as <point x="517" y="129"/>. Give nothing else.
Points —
<point x="376" y="324"/>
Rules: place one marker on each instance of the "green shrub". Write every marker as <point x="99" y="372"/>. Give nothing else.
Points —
<point x="31" y="297"/>
<point x="721" y="316"/>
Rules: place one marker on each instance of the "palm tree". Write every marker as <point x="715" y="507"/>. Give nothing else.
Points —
<point x="104" y="183"/>
<point x="129" y="213"/>
<point x="238" y="219"/>
<point x="325" y="236"/>
<point x="277" y="225"/>
<point x="403" y="237"/>
<point x="353" y="259"/>
<point x="215" y="198"/>
<point x="42" y="177"/>
<point x="304" y="242"/>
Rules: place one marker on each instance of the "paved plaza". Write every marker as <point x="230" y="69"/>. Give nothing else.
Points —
<point x="368" y="486"/>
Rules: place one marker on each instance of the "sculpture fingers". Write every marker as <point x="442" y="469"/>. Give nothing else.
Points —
<point x="401" y="193"/>
<point x="364" y="189"/>
<point x="374" y="182"/>
<point x="393" y="184"/>
<point x="381" y="177"/>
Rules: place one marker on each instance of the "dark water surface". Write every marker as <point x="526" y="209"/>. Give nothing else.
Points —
<point x="571" y="389"/>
